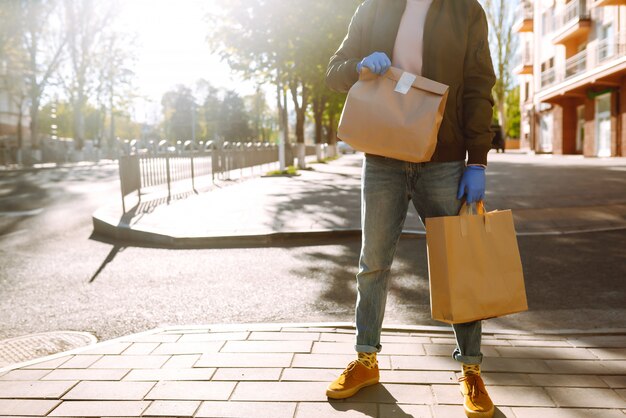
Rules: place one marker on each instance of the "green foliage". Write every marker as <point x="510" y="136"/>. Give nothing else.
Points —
<point x="513" y="113"/>
<point x="289" y="171"/>
<point x="222" y="115"/>
<point x="288" y="43"/>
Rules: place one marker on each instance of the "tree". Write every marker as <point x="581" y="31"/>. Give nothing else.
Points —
<point x="177" y="107"/>
<point x="287" y="43"/>
<point x="85" y="21"/>
<point x="43" y="45"/>
<point x="513" y="114"/>
<point x="500" y="15"/>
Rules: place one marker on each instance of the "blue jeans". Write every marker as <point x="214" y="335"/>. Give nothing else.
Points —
<point x="386" y="189"/>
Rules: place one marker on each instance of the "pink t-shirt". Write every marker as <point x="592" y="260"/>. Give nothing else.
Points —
<point x="407" y="51"/>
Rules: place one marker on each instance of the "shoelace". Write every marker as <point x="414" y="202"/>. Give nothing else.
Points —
<point x="350" y="367"/>
<point x="475" y="385"/>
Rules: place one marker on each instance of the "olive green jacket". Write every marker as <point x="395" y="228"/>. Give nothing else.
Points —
<point x="455" y="52"/>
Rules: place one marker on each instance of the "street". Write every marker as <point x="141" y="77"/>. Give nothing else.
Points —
<point x="54" y="276"/>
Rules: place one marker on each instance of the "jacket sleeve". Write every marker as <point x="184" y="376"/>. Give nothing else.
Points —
<point x="341" y="73"/>
<point x="478" y="82"/>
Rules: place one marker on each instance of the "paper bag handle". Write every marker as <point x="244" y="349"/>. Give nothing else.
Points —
<point x="466" y="209"/>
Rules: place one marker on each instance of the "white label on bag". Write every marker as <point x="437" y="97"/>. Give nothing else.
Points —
<point x="405" y="82"/>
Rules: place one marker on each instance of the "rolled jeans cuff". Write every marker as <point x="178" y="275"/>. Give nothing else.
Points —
<point x="466" y="359"/>
<point x="366" y="348"/>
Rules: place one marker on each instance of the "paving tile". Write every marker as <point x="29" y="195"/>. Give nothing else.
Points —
<point x="615" y="382"/>
<point x="172" y="408"/>
<point x="572" y="380"/>
<point x="280" y="391"/>
<point x="267" y="347"/>
<point x="99" y="408"/>
<point x="418" y="377"/>
<point x="310" y="375"/>
<point x="609" y="353"/>
<point x="519" y="396"/>
<point x="542" y="343"/>
<point x="181" y="361"/>
<point x="587" y="367"/>
<point x="189" y="348"/>
<point x="447" y="349"/>
<point x="622" y="393"/>
<point x="504" y="379"/>
<point x="246" y="409"/>
<point x="107" y="348"/>
<point x="245" y="360"/>
<point x="501" y="395"/>
<point x="209" y="391"/>
<point x="151" y="375"/>
<point x="601" y="341"/>
<point x="546" y="353"/>
<point x="214" y="336"/>
<point x="182" y="331"/>
<point x="24" y="374"/>
<point x="80" y="361"/>
<point x="402" y="339"/>
<point x="109" y="391"/>
<point x="586" y="397"/>
<point x="138" y="349"/>
<point x="86" y="374"/>
<point x="49" y="364"/>
<point x="336" y="409"/>
<point x="395" y="393"/>
<point x="284" y="336"/>
<point x="494" y="364"/>
<point x="404" y="411"/>
<point x="448" y="411"/>
<point x="338" y="361"/>
<point x="326" y="336"/>
<point x="326" y="347"/>
<point x="424" y="363"/>
<point x="155" y="338"/>
<point x="27" y="406"/>
<point x="566" y="413"/>
<point x="312" y="329"/>
<point x="248" y="373"/>
<point x="34" y="389"/>
<point x="130" y="362"/>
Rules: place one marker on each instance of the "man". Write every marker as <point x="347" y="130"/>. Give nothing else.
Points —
<point x="446" y="41"/>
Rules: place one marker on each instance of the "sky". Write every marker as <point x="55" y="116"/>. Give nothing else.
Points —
<point x="172" y="50"/>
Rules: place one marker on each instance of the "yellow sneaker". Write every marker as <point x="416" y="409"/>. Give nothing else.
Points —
<point x="476" y="402"/>
<point x="353" y="378"/>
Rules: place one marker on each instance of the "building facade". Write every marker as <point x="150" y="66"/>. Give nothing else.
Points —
<point x="572" y="70"/>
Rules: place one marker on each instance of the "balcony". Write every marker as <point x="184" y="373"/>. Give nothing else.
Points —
<point x="611" y="48"/>
<point x="548" y="77"/>
<point x="573" y="24"/>
<point x="576" y="64"/>
<point x="526" y="64"/>
<point x="526" y="18"/>
<point x="600" y="3"/>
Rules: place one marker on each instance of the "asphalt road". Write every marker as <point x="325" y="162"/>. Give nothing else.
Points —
<point x="53" y="276"/>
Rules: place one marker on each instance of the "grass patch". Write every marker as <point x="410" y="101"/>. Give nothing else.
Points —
<point x="289" y="171"/>
<point x="327" y="160"/>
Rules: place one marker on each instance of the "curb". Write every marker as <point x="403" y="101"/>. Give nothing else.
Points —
<point x="108" y="231"/>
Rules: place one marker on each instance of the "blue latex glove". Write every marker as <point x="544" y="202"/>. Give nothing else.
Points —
<point x="472" y="184"/>
<point x="378" y="63"/>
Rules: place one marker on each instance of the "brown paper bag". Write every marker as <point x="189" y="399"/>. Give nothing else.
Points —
<point x="394" y="115"/>
<point x="474" y="266"/>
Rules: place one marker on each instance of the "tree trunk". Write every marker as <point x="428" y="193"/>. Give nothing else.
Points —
<point x="319" y="106"/>
<point x="34" y="123"/>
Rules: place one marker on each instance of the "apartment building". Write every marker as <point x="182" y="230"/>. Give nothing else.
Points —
<point x="572" y="70"/>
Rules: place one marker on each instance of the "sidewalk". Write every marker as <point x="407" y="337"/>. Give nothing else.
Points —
<point x="548" y="195"/>
<point x="274" y="370"/>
